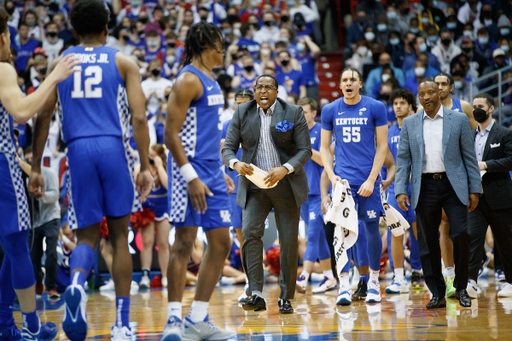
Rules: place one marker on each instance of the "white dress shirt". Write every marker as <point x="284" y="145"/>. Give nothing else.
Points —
<point x="433" y="159"/>
<point x="481" y="140"/>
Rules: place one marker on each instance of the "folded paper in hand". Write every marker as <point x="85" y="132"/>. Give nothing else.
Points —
<point x="258" y="176"/>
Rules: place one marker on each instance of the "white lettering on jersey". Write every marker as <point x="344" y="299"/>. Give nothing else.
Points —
<point x="313" y="139"/>
<point x="226" y="216"/>
<point x="215" y="100"/>
<point x="352" y="121"/>
<point x="395" y="139"/>
<point x="312" y="216"/>
<point x="103" y="58"/>
<point x="86" y="57"/>
<point x="371" y="214"/>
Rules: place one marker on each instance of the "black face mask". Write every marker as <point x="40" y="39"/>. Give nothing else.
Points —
<point x="446" y="42"/>
<point x="166" y="97"/>
<point x="386" y="66"/>
<point x="155" y="72"/>
<point x="269" y="23"/>
<point x="285" y="18"/>
<point x="407" y="11"/>
<point x="234" y="57"/>
<point x="126" y="38"/>
<point x="383" y="97"/>
<point x="216" y="69"/>
<point x="172" y="45"/>
<point x="173" y="27"/>
<point x="249" y="68"/>
<point x="204" y="18"/>
<point x="151" y="162"/>
<point x="43" y="71"/>
<point x="487" y="13"/>
<point x="285" y="62"/>
<point x="232" y="18"/>
<point x="10" y="11"/>
<point x="52" y="34"/>
<point x="361" y="20"/>
<point x="466" y="49"/>
<point x="256" y="26"/>
<point x="141" y="33"/>
<point x="144" y="20"/>
<point x="480" y="115"/>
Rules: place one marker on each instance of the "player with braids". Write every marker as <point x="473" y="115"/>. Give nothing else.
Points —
<point x="197" y="189"/>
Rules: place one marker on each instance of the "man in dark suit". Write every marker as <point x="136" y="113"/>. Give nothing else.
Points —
<point x="436" y="152"/>
<point x="274" y="136"/>
<point x="493" y="148"/>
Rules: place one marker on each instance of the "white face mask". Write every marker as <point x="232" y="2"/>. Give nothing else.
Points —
<point x="362" y="50"/>
<point x="237" y="32"/>
<point x="231" y="103"/>
<point x="468" y="33"/>
<point x="265" y="52"/>
<point x="420" y="71"/>
<point x="385" y="78"/>
<point x="170" y="60"/>
<point x="369" y="36"/>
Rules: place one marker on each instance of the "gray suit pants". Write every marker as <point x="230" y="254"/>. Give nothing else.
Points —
<point x="259" y="204"/>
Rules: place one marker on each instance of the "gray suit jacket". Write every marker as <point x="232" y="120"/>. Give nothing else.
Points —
<point x="293" y="146"/>
<point x="458" y="152"/>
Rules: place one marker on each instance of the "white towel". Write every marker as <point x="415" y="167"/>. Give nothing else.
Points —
<point x="342" y="213"/>
<point x="395" y="220"/>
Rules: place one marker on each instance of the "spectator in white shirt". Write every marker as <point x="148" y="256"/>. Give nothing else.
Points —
<point x="269" y="33"/>
<point x="122" y="36"/>
<point x="14" y="14"/>
<point x="309" y="14"/>
<point x="52" y="44"/>
<point x="445" y="50"/>
<point x="469" y="12"/>
<point x="154" y="87"/>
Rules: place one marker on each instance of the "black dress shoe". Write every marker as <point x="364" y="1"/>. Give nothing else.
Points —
<point x="285" y="307"/>
<point x="255" y="303"/>
<point x="463" y="297"/>
<point x="436" y="302"/>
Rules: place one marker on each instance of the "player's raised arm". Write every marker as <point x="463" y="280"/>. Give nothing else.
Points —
<point x="24" y="108"/>
<point x="137" y="102"/>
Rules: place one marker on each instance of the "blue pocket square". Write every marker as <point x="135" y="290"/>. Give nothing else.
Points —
<point x="284" y="126"/>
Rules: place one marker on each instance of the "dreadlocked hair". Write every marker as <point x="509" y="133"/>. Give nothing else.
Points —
<point x="201" y="37"/>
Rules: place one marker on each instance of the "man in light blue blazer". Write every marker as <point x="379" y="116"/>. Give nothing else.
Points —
<point x="436" y="152"/>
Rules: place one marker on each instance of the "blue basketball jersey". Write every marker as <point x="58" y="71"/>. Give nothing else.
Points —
<point x="7" y="141"/>
<point x="313" y="169"/>
<point x="456" y="105"/>
<point x="353" y="127"/>
<point x="92" y="102"/>
<point x="202" y="130"/>
<point x="393" y="141"/>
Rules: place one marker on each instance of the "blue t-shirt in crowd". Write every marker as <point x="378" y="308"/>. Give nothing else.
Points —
<point x="308" y="68"/>
<point x="313" y="169"/>
<point x="233" y="174"/>
<point x="24" y="53"/>
<point x="291" y="81"/>
<point x="252" y="46"/>
<point x="353" y="127"/>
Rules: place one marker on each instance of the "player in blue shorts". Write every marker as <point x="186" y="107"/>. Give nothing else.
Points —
<point x="197" y="189"/>
<point x="404" y="104"/>
<point x="93" y="105"/>
<point x="446" y="86"/>
<point x="17" y="274"/>
<point x="311" y="210"/>
<point x="359" y="124"/>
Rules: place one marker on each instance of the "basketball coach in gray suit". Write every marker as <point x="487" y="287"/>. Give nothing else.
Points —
<point x="437" y="151"/>
<point x="274" y="136"/>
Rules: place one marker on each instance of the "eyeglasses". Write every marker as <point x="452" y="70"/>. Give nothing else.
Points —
<point x="260" y="87"/>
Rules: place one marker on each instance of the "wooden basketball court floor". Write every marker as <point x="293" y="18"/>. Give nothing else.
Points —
<point x="316" y="317"/>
